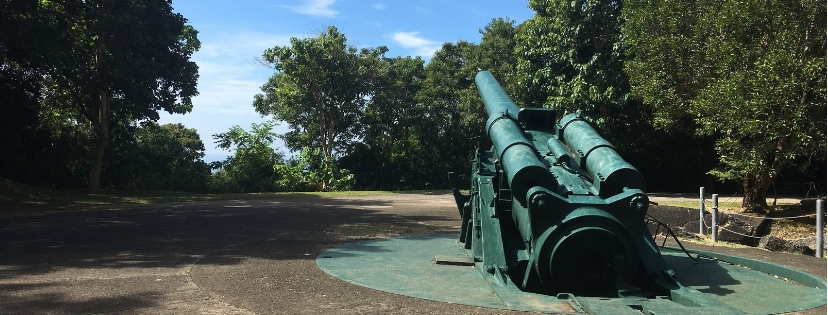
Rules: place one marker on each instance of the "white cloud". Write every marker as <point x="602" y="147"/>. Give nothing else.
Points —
<point x="240" y="43"/>
<point x="422" y="47"/>
<point x="319" y="8"/>
<point x="226" y="96"/>
<point x="228" y="79"/>
<point x="228" y="73"/>
<point x="379" y="6"/>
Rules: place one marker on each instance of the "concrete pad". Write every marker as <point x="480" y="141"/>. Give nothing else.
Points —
<point x="224" y="257"/>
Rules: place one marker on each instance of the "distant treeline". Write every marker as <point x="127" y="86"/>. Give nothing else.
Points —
<point x="724" y="94"/>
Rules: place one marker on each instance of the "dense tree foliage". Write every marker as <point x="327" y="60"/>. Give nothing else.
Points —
<point x="447" y="90"/>
<point x="374" y="113"/>
<point x="569" y="57"/>
<point x="752" y="74"/>
<point x="120" y="67"/>
<point x="167" y="157"/>
<point x="250" y="169"/>
<point x="310" y="170"/>
<point x="95" y="66"/>
<point x="391" y="129"/>
<point x="320" y="87"/>
<point x="679" y="87"/>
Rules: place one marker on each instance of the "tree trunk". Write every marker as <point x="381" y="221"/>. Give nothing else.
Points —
<point x="102" y="138"/>
<point x="756" y="185"/>
<point x="100" y="121"/>
<point x="756" y="189"/>
<point x="327" y="155"/>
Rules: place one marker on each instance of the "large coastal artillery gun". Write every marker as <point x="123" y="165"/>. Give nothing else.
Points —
<point x="554" y="209"/>
<point x="555" y="223"/>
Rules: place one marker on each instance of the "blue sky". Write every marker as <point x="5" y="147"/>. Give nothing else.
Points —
<point x="234" y="33"/>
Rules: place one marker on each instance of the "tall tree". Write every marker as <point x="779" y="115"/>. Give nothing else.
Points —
<point x="751" y="73"/>
<point x="452" y="113"/>
<point x="569" y="57"/>
<point x="496" y="52"/>
<point x="34" y="151"/>
<point x="320" y="88"/>
<point x="122" y="61"/>
<point x="100" y="62"/>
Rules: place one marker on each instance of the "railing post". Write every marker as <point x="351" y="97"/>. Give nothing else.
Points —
<point x="715" y="223"/>
<point x="820" y="225"/>
<point x="701" y="210"/>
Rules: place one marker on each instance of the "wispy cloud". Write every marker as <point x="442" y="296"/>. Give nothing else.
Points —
<point x="379" y="6"/>
<point x="229" y="73"/>
<point x="240" y="44"/>
<point x="321" y="8"/>
<point x="422" y="47"/>
<point x="228" y="79"/>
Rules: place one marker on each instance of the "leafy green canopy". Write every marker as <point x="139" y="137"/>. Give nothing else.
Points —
<point x="569" y="57"/>
<point x="310" y="170"/>
<point x="320" y="87"/>
<point x="95" y="65"/>
<point x="390" y="129"/>
<point x="751" y="73"/>
<point x="250" y="169"/>
<point x="156" y="157"/>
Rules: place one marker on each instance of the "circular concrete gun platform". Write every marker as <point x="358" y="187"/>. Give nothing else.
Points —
<point x="406" y="266"/>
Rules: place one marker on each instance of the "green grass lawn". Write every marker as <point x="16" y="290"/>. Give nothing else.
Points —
<point x="16" y="197"/>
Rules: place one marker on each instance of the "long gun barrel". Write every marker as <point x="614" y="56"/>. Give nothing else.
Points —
<point x="494" y="98"/>
<point x="517" y="155"/>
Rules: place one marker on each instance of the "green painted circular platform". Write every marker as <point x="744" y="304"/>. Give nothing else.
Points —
<point x="404" y="266"/>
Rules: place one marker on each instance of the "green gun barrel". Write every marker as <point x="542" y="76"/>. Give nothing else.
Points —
<point x="517" y="155"/>
<point x="610" y="173"/>
<point x="494" y="98"/>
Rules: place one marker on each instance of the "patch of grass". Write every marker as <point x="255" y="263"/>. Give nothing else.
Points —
<point x="795" y="222"/>
<point x="695" y="204"/>
<point x="792" y="229"/>
<point x="709" y="241"/>
<point x="16" y="197"/>
<point x="12" y="193"/>
<point x="428" y="192"/>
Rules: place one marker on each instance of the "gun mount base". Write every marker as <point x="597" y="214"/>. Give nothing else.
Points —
<point x="404" y="266"/>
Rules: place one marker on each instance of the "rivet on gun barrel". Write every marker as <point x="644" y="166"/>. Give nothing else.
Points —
<point x="554" y="209"/>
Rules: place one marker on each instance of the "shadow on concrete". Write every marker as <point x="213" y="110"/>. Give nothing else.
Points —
<point x="175" y="235"/>
<point x="48" y="300"/>
<point x="38" y="251"/>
